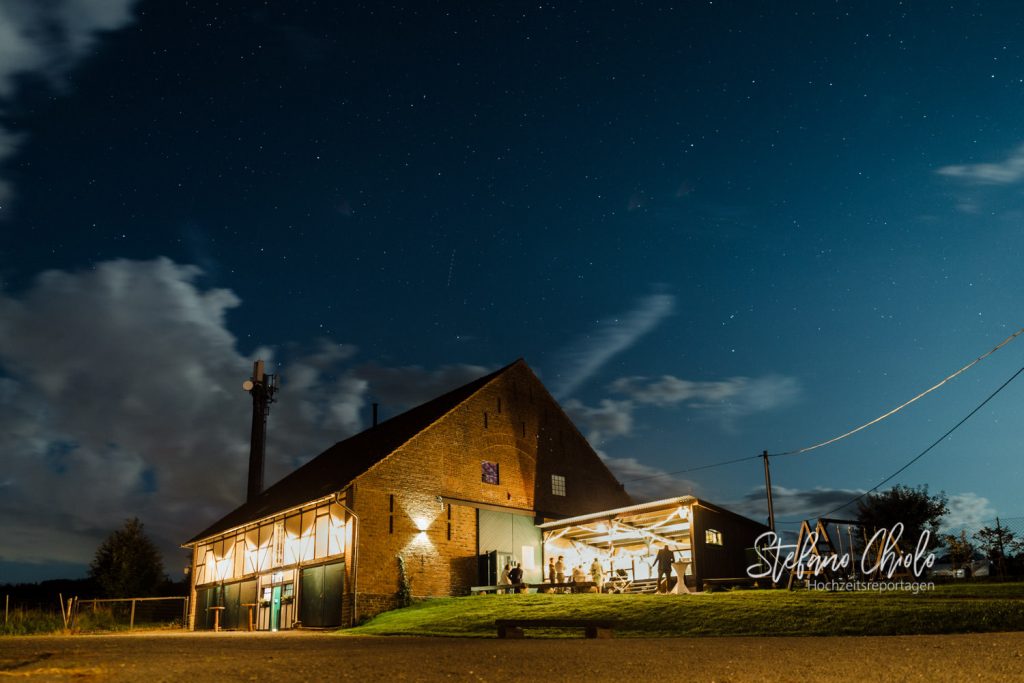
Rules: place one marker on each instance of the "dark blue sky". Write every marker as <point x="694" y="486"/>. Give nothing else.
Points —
<point x="711" y="229"/>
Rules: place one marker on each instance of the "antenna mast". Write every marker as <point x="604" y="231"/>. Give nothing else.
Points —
<point x="263" y="387"/>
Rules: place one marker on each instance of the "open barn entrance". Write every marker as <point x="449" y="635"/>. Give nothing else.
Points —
<point x="619" y="548"/>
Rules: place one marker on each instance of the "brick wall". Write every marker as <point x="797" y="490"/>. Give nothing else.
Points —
<point x="513" y="422"/>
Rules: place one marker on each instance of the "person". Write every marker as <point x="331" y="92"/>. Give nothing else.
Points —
<point x="504" y="579"/>
<point x="597" y="573"/>
<point x="664" y="559"/>
<point x="515" y="576"/>
<point x="551" y="569"/>
<point x="579" y="577"/>
<point x="560" y="572"/>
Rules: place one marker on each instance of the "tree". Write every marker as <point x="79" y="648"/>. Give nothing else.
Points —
<point x="960" y="550"/>
<point x="127" y="563"/>
<point x="999" y="543"/>
<point x="913" y="507"/>
<point x="404" y="594"/>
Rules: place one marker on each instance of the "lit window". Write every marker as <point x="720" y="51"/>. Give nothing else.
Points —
<point x="713" y="537"/>
<point x="489" y="472"/>
<point x="557" y="485"/>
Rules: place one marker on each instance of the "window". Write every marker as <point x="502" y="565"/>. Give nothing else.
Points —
<point x="713" y="537"/>
<point x="557" y="485"/>
<point x="489" y="472"/>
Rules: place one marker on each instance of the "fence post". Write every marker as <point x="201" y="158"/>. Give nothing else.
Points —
<point x="7" y="607"/>
<point x="131" y="622"/>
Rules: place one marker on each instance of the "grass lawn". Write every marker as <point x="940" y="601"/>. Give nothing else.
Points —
<point x="952" y="608"/>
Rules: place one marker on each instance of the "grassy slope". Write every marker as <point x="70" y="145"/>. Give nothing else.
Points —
<point x="947" y="609"/>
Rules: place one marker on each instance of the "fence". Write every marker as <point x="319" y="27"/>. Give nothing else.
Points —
<point x="131" y="613"/>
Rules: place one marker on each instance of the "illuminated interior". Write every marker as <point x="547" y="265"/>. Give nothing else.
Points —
<point x="622" y="540"/>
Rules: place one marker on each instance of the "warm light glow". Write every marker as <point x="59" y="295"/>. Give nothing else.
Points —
<point x="224" y="565"/>
<point x="421" y="524"/>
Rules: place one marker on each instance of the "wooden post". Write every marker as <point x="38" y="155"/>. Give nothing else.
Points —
<point x="768" y="488"/>
<point x="131" y="622"/>
<point x="7" y="607"/>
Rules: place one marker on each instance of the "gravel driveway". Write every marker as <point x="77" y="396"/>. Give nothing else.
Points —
<point x="299" y="656"/>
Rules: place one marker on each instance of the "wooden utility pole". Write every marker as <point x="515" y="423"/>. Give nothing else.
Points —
<point x="768" y="488"/>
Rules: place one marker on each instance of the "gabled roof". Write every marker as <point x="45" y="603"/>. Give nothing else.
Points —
<point x="335" y="468"/>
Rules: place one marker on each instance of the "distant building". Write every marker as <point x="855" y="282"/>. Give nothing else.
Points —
<point x="455" y="487"/>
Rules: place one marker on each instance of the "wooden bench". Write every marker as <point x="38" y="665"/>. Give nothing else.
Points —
<point x="593" y="628"/>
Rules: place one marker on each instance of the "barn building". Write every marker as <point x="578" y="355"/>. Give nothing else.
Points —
<point x="443" y="495"/>
<point x="462" y="476"/>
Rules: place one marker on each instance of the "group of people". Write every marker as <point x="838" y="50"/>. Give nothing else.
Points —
<point x="511" y="577"/>
<point x="556" y="572"/>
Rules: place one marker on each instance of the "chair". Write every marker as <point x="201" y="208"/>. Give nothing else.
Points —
<point x="619" y="581"/>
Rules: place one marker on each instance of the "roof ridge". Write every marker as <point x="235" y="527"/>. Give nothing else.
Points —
<point x="341" y="463"/>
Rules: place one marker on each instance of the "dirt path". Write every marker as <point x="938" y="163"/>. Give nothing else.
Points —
<point x="311" y="656"/>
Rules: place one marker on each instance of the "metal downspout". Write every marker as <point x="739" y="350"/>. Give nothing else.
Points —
<point x="355" y="555"/>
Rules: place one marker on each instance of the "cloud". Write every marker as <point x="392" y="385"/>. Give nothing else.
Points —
<point x="797" y="503"/>
<point x="967" y="511"/>
<point x="120" y="394"/>
<point x="587" y="355"/>
<point x="607" y="420"/>
<point x="644" y="482"/>
<point x="45" y="40"/>
<point x="726" y="399"/>
<point x="1006" y="172"/>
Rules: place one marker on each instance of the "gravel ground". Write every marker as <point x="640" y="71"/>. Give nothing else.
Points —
<point x="313" y="656"/>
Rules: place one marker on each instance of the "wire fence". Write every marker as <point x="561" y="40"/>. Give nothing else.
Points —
<point x="74" y="615"/>
<point x="130" y="614"/>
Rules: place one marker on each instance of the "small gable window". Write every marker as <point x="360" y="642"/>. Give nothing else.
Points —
<point x="489" y="472"/>
<point x="557" y="485"/>
<point x="713" y="537"/>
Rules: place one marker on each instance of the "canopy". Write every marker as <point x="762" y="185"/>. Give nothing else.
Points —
<point x="631" y="528"/>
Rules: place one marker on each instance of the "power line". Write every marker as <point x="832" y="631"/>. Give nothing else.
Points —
<point x="854" y="431"/>
<point x="925" y="451"/>
<point x="692" y="469"/>
<point x="904" y="405"/>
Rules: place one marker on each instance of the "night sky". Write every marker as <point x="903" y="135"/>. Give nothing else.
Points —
<point x="711" y="229"/>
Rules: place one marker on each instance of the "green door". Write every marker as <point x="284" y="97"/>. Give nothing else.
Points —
<point x="334" y="578"/>
<point x="229" y="618"/>
<point x="204" y="600"/>
<point x="275" y="609"/>
<point x="312" y="596"/>
<point x="320" y="600"/>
